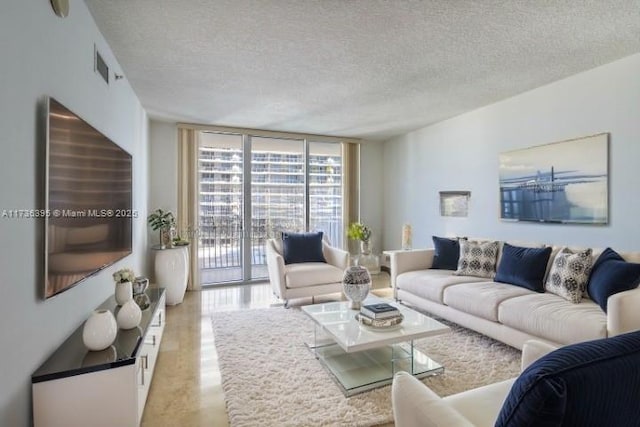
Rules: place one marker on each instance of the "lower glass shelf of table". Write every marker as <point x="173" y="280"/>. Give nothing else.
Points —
<point x="357" y="372"/>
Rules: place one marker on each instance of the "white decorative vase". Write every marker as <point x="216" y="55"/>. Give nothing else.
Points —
<point x="172" y="272"/>
<point x="124" y="292"/>
<point x="129" y="315"/>
<point x="99" y="330"/>
<point x="407" y="237"/>
<point x="356" y="284"/>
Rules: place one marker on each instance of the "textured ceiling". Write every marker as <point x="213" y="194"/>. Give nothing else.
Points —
<point x="360" y="68"/>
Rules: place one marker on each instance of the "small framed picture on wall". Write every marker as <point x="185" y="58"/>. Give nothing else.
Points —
<point x="454" y="203"/>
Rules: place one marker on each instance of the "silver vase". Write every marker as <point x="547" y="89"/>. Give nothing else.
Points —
<point x="356" y="284"/>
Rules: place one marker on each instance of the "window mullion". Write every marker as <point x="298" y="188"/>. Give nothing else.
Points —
<point x="307" y="204"/>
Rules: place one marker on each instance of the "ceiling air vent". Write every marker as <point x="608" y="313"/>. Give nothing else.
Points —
<point x="100" y="66"/>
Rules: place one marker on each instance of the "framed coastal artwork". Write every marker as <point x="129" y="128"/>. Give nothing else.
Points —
<point x="561" y="182"/>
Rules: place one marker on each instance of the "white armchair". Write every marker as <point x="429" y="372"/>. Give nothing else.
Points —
<point x="416" y="405"/>
<point x="306" y="279"/>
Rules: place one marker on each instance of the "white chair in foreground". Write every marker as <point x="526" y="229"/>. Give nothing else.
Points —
<point x="416" y="405"/>
<point x="305" y="279"/>
<point x="588" y="384"/>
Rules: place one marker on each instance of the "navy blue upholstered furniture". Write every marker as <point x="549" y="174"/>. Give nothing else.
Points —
<point x="590" y="384"/>
<point x="594" y="383"/>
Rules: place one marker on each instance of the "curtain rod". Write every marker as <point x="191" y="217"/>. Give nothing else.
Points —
<point x="268" y="133"/>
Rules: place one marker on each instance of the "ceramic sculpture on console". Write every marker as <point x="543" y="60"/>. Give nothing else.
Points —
<point x="140" y="285"/>
<point x="129" y="315"/>
<point x="99" y="330"/>
<point x="124" y="289"/>
<point x="356" y="284"/>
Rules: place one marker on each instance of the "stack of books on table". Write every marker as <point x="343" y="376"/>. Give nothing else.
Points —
<point x="380" y="315"/>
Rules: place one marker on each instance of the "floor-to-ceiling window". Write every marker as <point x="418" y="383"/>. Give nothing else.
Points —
<point x="325" y="190"/>
<point x="254" y="187"/>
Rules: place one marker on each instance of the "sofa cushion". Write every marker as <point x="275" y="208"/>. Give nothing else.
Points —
<point x="430" y="284"/>
<point x="595" y="383"/>
<point x="569" y="274"/>
<point x="477" y="259"/>
<point x="300" y="275"/>
<point x="302" y="247"/>
<point x="524" y="267"/>
<point x="554" y="318"/>
<point x="481" y="299"/>
<point x="446" y="253"/>
<point x="611" y="274"/>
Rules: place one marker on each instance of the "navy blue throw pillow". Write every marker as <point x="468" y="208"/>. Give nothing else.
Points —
<point x="590" y="384"/>
<point x="611" y="274"/>
<point x="302" y="247"/>
<point x="447" y="252"/>
<point x="524" y="267"/>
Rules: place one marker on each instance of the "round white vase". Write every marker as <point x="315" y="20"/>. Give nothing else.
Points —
<point x="99" y="330"/>
<point x="129" y="315"/>
<point x="124" y="292"/>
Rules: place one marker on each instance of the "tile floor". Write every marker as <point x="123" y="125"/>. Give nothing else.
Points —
<point x="186" y="388"/>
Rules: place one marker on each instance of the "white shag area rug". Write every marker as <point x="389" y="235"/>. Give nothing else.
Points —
<point x="271" y="378"/>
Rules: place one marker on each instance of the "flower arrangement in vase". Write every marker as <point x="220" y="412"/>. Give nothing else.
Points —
<point x="361" y="232"/>
<point x="124" y="289"/>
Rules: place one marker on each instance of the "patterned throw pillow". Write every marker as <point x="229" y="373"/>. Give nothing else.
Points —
<point x="477" y="259"/>
<point x="569" y="274"/>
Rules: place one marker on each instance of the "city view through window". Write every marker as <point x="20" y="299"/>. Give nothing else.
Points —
<point x="277" y="171"/>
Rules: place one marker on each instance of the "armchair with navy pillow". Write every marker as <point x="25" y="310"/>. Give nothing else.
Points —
<point x="590" y="384"/>
<point x="304" y="265"/>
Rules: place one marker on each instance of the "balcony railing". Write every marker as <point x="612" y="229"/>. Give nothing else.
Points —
<point x="221" y="243"/>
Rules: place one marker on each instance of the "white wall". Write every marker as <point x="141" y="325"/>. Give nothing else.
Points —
<point x="163" y="158"/>
<point x="42" y="55"/>
<point x="462" y="154"/>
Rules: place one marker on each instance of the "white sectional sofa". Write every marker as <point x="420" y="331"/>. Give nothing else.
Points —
<point x="508" y="313"/>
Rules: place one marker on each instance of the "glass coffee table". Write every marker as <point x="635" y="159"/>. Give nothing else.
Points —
<point x="361" y="358"/>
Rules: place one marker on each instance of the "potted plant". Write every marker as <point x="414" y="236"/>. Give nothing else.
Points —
<point x="164" y="222"/>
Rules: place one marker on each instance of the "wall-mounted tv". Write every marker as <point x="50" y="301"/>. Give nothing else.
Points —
<point x="88" y="190"/>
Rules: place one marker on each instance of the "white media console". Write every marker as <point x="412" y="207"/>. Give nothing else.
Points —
<point x="77" y="387"/>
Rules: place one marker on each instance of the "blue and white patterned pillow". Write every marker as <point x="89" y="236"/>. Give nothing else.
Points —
<point x="569" y="274"/>
<point x="477" y="259"/>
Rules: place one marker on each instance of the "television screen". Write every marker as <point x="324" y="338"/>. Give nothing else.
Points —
<point x="88" y="212"/>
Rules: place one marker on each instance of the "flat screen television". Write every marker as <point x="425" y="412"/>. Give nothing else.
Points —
<point x="88" y="200"/>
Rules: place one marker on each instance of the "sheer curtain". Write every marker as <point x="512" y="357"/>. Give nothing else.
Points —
<point x="351" y="190"/>
<point x="188" y="197"/>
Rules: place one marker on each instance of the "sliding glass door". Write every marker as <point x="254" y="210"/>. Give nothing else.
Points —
<point x="277" y="193"/>
<point x="253" y="188"/>
<point x="221" y="219"/>
<point x="325" y="190"/>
